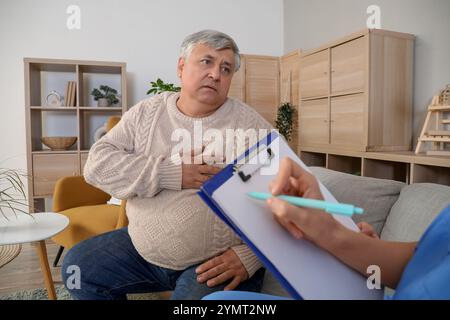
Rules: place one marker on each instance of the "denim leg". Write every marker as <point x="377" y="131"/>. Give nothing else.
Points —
<point x="110" y="267"/>
<point x="188" y="288"/>
<point x="242" y="295"/>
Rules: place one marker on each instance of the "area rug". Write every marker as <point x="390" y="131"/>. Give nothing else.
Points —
<point x="37" y="294"/>
<point x="63" y="294"/>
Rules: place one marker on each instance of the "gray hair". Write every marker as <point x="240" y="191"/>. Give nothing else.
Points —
<point x="211" y="38"/>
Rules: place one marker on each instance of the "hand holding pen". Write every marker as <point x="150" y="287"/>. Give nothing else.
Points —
<point x="313" y="224"/>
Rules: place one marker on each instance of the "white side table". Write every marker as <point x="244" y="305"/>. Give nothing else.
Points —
<point x="34" y="228"/>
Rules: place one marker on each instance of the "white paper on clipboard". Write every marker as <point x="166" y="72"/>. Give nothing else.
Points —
<point x="311" y="271"/>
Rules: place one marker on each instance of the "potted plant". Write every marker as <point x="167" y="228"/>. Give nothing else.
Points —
<point x="285" y="119"/>
<point x="159" y="86"/>
<point x="12" y="194"/>
<point x="106" y="96"/>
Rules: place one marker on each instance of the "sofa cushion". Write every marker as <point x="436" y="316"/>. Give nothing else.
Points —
<point x="376" y="196"/>
<point x="414" y="211"/>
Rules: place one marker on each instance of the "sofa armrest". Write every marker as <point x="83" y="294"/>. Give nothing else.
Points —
<point x="74" y="191"/>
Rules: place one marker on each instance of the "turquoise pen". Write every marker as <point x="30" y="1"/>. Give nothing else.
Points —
<point x="329" y="207"/>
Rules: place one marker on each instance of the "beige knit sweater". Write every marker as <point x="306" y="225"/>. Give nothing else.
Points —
<point x="169" y="226"/>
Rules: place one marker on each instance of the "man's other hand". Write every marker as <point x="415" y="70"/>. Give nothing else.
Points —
<point x="222" y="268"/>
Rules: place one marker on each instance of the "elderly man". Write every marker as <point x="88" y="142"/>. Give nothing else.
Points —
<point x="173" y="241"/>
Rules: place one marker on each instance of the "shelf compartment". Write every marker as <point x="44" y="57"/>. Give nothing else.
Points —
<point x="381" y="169"/>
<point x="90" y="77"/>
<point x="313" y="159"/>
<point x="433" y="174"/>
<point x="345" y="164"/>
<point x="90" y="122"/>
<point x="46" y="123"/>
<point x="45" y="77"/>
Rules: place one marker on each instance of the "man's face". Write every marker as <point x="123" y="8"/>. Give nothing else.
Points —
<point x="206" y="75"/>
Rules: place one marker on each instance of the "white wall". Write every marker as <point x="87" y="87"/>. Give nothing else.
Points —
<point x="146" y="34"/>
<point x="310" y="23"/>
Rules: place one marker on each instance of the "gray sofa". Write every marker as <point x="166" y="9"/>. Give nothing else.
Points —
<point x="397" y="211"/>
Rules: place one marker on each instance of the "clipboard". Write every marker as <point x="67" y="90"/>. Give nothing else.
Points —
<point x="303" y="269"/>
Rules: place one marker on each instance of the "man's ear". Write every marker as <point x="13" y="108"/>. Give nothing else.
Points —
<point x="180" y="66"/>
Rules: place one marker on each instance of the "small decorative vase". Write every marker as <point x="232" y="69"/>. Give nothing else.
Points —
<point x="103" y="103"/>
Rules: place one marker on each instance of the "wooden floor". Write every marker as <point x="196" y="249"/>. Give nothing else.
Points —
<point x="24" y="271"/>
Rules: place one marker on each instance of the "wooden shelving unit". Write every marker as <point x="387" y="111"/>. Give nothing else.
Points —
<point x="45" y="166"/>
<point x="405" y="166"/>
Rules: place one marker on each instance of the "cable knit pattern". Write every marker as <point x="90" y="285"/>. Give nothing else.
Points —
<point x="170" y="227"/>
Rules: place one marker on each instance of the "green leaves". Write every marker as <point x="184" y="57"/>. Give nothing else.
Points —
<point x="108" y="93"/>
<point x="97" y="94"/>
<point x="159" y="86"/>
<point x="285" y="118"/>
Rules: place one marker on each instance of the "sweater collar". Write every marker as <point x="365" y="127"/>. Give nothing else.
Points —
<point x="218" y="114"/>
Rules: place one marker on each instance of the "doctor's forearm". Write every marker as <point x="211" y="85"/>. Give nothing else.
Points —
<point x="360" y="251"/>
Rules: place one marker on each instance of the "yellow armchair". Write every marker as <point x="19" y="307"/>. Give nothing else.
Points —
<point x="86" y="208"/>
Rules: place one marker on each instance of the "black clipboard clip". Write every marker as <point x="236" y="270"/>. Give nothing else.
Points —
<point x="246" y="176"/>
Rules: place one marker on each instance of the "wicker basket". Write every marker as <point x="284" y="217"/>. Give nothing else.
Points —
<point x="59" y="143"/>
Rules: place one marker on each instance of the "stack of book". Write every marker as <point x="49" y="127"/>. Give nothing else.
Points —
<point x="71" y="94"/>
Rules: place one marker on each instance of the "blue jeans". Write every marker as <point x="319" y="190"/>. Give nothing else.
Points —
<point x="110" y="267"/>
<point x="242" y="295"/>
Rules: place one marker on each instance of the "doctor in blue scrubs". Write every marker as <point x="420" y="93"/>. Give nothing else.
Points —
<point x="416" y="270"/>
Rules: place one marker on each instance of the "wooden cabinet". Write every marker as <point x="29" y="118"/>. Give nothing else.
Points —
<point x="366" y="79"/>
<point x="314" y="123"/>
<point x="348" y="67"/>
<point x="48" y="168"/>
<point x="347" y="120"/>
<point x="257" y="84"/>
<point x="314" y="75"/>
